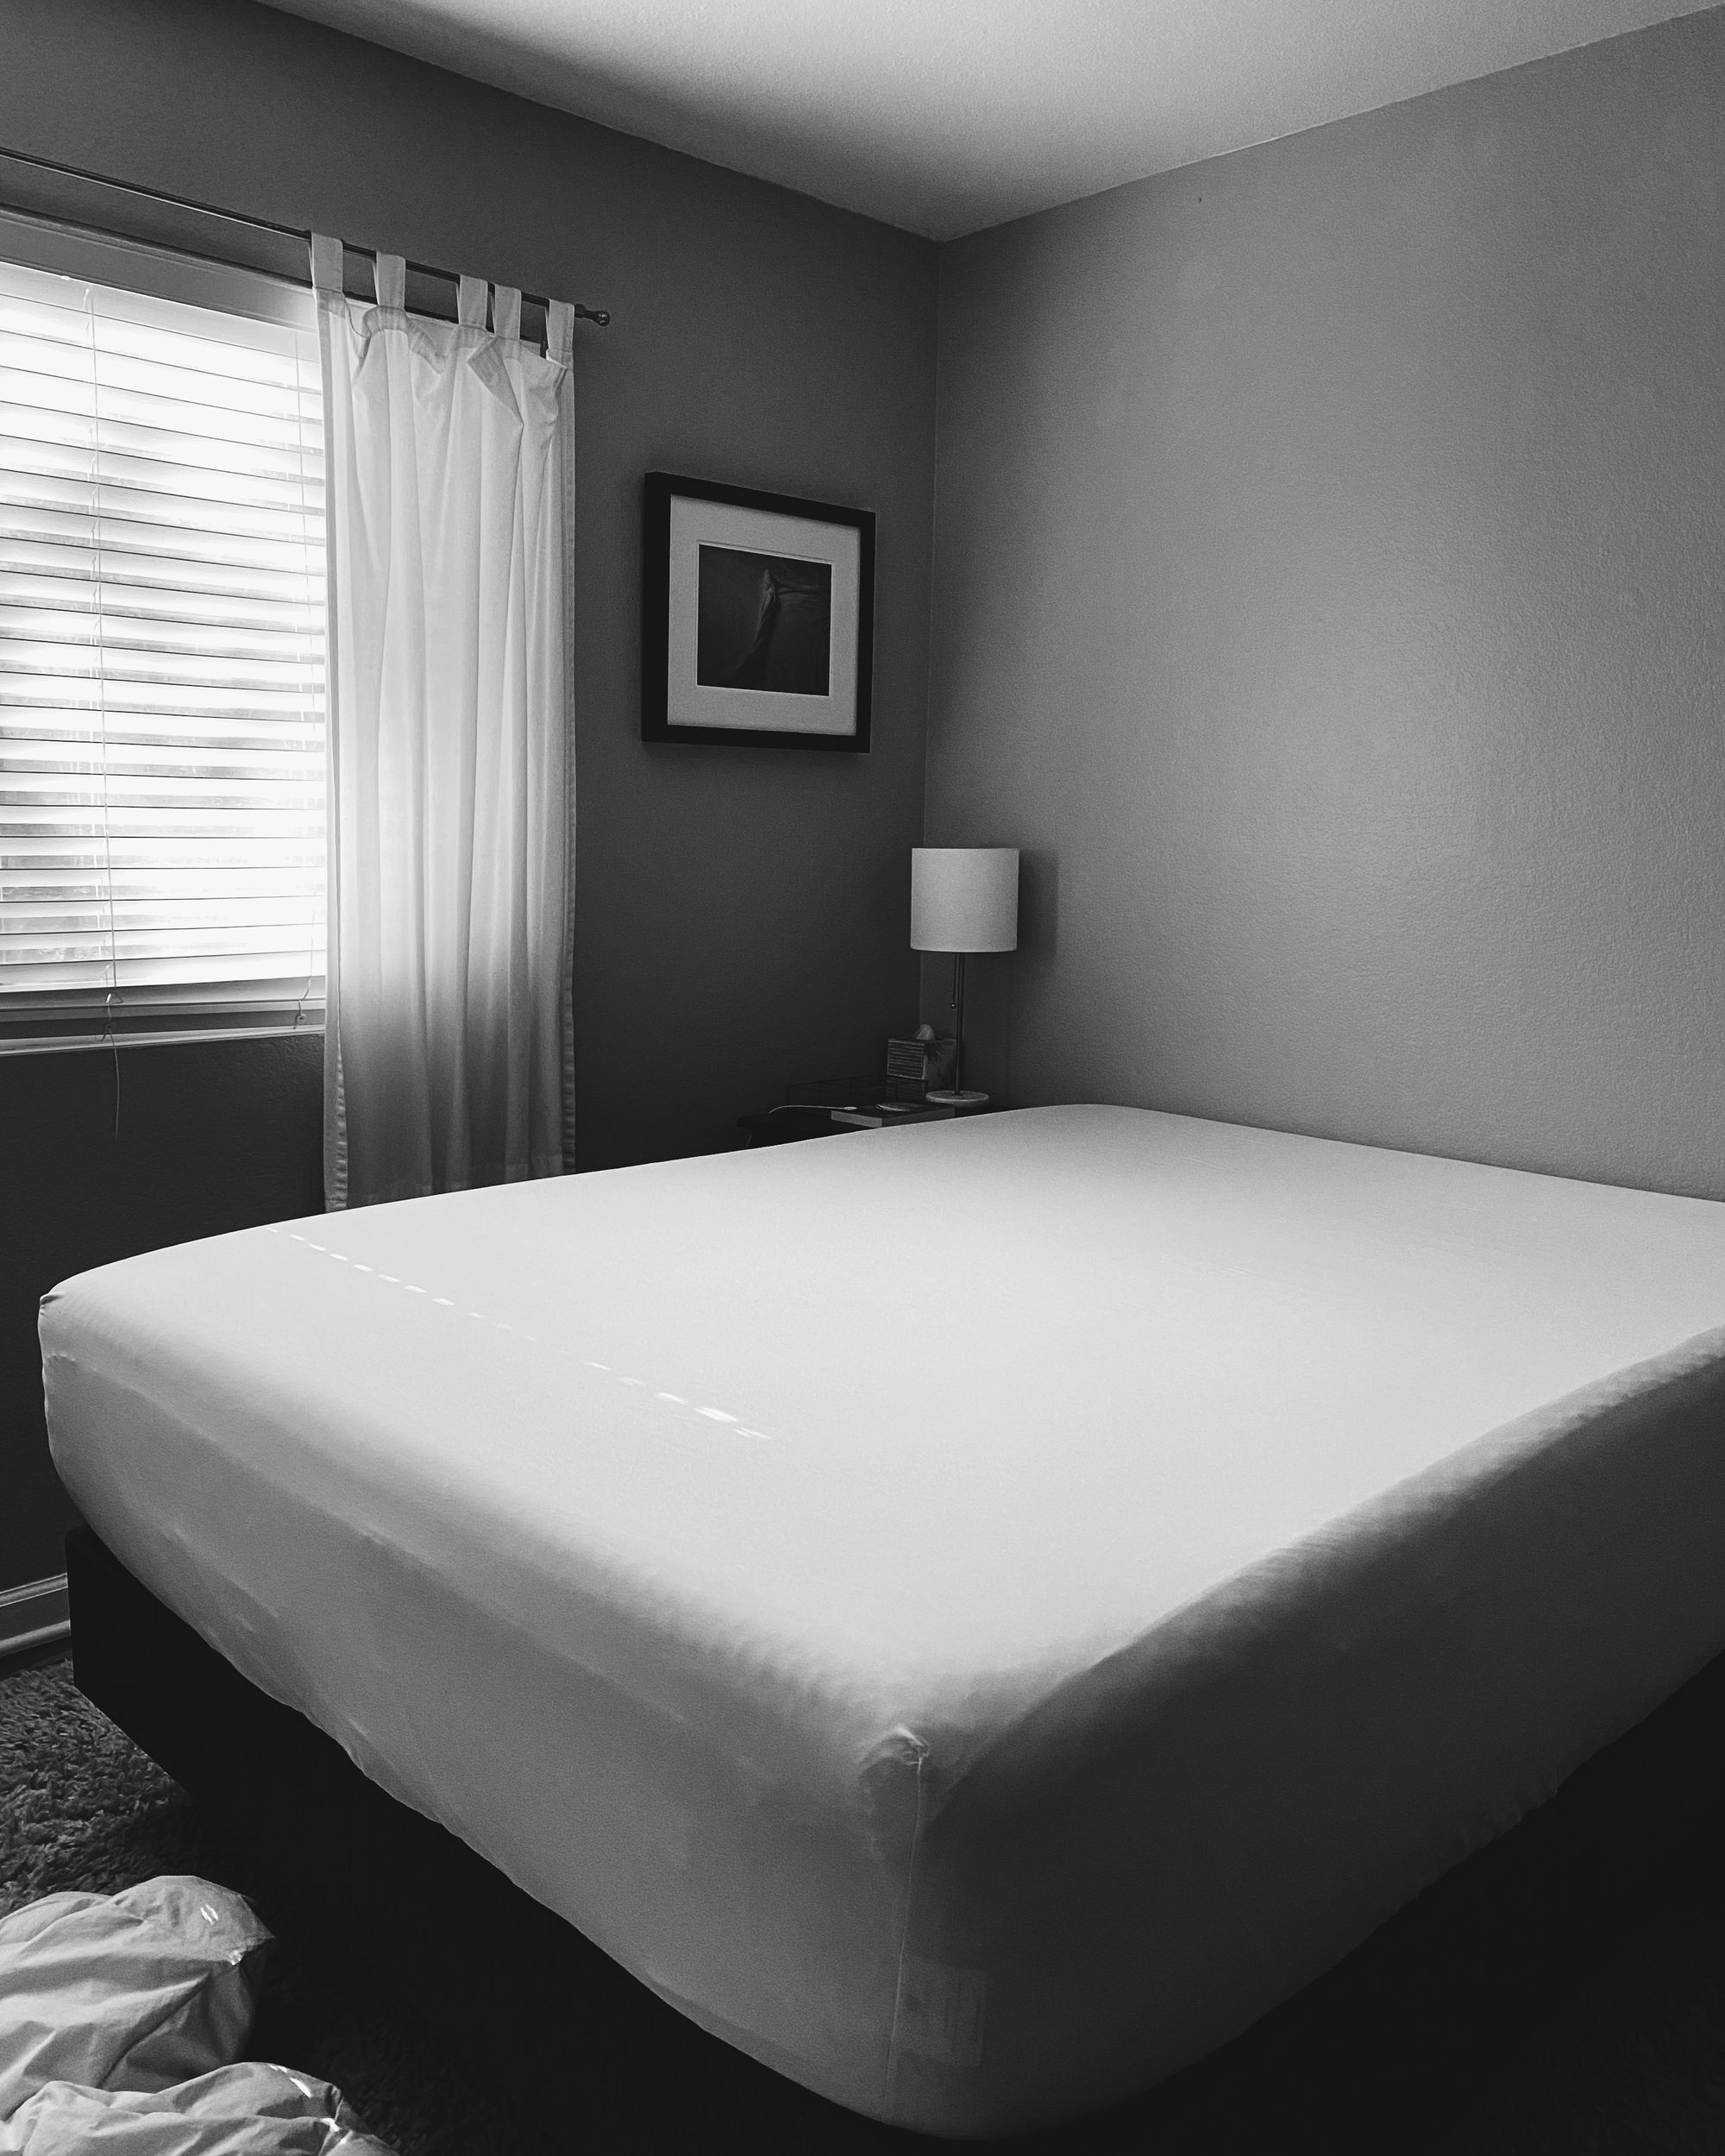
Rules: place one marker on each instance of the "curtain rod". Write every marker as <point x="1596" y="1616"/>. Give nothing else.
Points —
<point x="598" y="314"/>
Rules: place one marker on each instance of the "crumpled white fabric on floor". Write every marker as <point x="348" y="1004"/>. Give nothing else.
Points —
<point x="449" y="1047"/>
<point x="247" y="2109"/>
<point x="136" y="1990"/>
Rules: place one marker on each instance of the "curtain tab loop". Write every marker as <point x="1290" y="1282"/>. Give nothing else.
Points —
<point x="326" y="264"/>
<point x="506" y="311"/>
<point x="559" y="332"/>
<point x="470" y="303"/>
<point x="391" y="273"/>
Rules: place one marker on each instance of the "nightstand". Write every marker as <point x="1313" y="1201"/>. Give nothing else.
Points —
<point x="797" y="1120"/>
<point x="784" y="1126"/>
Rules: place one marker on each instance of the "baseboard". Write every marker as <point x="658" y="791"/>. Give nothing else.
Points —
<point x="34" y="1615"/>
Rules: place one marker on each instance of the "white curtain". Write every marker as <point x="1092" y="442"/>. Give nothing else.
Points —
<point x="449" y="1035"/>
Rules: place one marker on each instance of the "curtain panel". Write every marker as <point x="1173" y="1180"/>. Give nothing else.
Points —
<point x="449" y="1036"/>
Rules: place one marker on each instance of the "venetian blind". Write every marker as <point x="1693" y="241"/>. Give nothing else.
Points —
<point x="161" y="661"/>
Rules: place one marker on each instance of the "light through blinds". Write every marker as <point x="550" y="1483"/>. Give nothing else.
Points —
<point x="161" y="664"/>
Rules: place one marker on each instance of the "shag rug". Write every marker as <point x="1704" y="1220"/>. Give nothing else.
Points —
<point x="1561" y="1994"/>
<point x="82" y="1808"/>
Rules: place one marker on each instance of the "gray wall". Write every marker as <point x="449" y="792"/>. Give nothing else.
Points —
<point x="743" y="916"/>
<point x="104" y="1155"/>
<point x="1328" y="592"/>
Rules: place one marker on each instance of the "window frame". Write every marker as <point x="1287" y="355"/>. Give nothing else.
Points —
<point x="57" y="249"/>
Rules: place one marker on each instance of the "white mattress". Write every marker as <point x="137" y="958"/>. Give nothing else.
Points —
<point x="974" y="1613"/>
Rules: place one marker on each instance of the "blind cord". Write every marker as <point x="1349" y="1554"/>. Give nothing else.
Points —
<point x="114" y="1045"/>
<point x="299" y="362"/>
<point x="113" y="995"/>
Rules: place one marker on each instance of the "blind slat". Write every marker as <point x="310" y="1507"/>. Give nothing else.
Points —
<point x="194" y="970"/>
<point x="98" y="657"/>
<point x="29" y="757"/>
<point x="146" y="610"/>
<point x="31" y="482"/>
<point x="149" y="699"/>
<point x="193" y="455"/>
<point x="171" y="416"/>
<point x="124" y="530"/>
<point x="61" y="333"/>
<point x="38" y="467"/>
<point x="74" y="628"/>
<point x="159" y="569"/>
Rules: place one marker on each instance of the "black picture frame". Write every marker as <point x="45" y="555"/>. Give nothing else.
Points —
<point x="755" y="634"/>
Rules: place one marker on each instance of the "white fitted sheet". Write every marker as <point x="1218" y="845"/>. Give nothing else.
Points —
<point x="974" y="1613"/>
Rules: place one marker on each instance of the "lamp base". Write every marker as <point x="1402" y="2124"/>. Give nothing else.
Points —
<point x="965" y="1099"/>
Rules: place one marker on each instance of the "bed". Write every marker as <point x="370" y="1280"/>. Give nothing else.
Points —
<point x="970" y="1615"/>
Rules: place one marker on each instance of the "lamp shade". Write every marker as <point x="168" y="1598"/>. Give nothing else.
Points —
<point x="964" y="898"/>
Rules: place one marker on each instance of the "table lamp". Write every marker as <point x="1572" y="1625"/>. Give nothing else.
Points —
<point x="963" y="899"/>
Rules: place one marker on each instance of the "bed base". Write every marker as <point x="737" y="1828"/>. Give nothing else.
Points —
<point x="1515" y="1933"/>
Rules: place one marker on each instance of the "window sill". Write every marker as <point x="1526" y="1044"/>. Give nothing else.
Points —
<point x="168" y="1037"/>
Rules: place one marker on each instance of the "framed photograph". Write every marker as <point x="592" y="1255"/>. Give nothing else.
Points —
<point x="758" y="618"/>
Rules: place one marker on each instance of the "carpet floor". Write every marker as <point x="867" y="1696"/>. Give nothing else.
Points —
<point x="1561" y="1992"/>
<point x="82" y="1808"/>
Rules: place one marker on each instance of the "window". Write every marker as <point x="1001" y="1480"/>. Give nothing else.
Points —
<point x="162" y="645"/>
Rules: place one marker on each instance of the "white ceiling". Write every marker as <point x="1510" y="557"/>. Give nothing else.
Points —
<point x="946" y="116"/>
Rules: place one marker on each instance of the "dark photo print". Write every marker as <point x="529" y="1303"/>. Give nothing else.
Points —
<point x="763" y="621"/>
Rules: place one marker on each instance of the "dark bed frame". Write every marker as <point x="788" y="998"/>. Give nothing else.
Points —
<point x="536" y="2009"/>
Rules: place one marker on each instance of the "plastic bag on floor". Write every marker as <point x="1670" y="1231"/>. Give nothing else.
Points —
<point x="135" y="1991"/>
<point x="244" y="2110"/>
